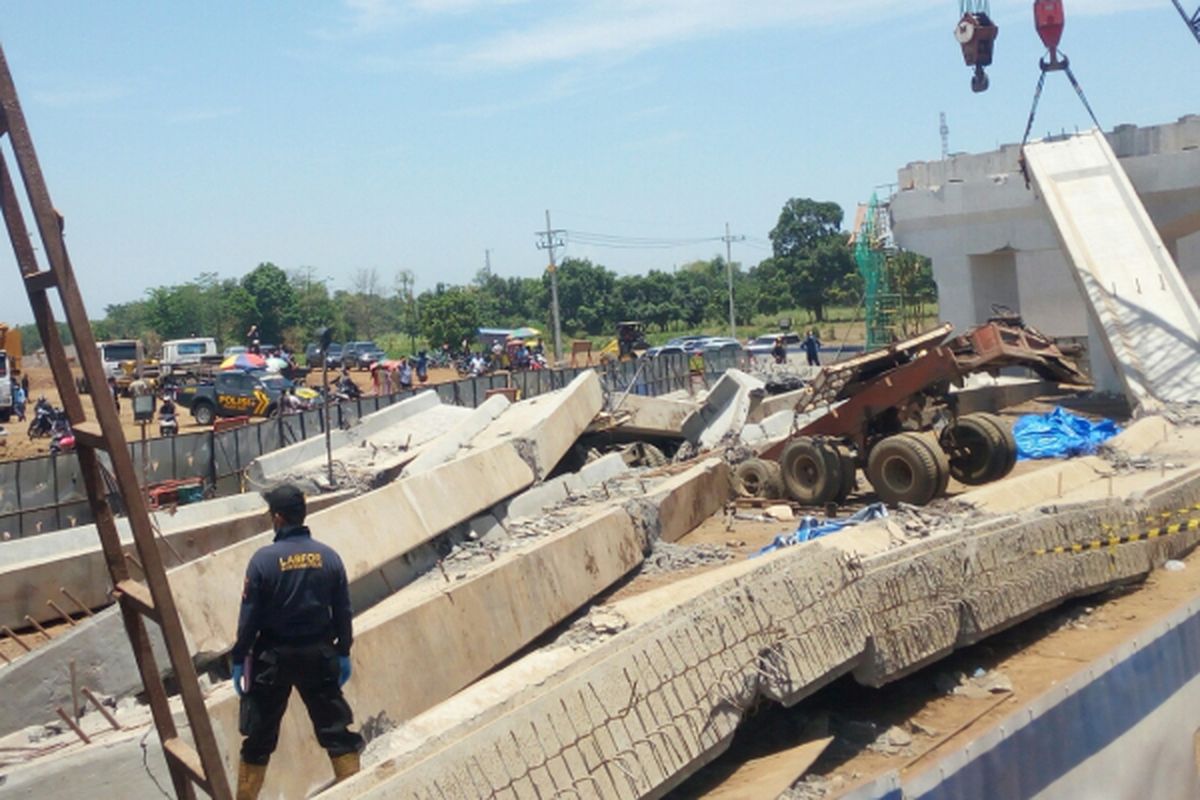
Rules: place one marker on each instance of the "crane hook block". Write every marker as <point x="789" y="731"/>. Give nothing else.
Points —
<point x="1049" y="18"/>
<point x="977" y="34"/>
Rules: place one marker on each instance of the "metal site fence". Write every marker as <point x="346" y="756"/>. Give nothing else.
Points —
<point x="38" y="495"/>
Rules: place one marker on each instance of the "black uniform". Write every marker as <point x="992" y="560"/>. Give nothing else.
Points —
<point x="295" y="622"/>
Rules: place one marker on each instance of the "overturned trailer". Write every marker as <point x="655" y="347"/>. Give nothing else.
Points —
<point x="891" y="414"/>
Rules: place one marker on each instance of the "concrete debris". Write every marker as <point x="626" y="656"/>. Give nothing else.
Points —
<point x="793" y="621"/>
<point x="893" y="741"/>
<point x="724" y="411"/>
<point x="782" y="513"/>
<point x="977" y="686"/>
<point x="666" y="557"/>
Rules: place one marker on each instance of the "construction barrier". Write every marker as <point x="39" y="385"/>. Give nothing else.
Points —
<point x="39" y="495"/>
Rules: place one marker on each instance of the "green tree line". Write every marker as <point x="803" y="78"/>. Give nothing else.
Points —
<point x="811" y="267"/>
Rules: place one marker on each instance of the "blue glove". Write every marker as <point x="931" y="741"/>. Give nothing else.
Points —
<point x="238" y="672"/>
<point x="343" y="671"/>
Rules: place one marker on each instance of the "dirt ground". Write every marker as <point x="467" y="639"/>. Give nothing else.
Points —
<point x="17" y="445"/>
<point x="1034" y="656"/>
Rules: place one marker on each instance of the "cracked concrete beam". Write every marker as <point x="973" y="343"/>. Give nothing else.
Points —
<point x="648" y="707"/>
<point x="368" y="531"/>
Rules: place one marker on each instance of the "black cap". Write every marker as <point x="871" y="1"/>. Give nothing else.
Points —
<point x="285" y="497"/>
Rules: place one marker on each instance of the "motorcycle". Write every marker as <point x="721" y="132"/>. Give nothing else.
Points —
<point x="346" y="389"/>
<point x="44" y="416"/>
<point x="168" y="425"/>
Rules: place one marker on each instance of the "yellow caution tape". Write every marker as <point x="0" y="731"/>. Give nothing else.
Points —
<point x="1113" y="540"/>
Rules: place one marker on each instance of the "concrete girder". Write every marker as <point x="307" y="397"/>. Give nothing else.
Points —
<point x="465" y="627"/>
<point x="636" y="715"/>
<point x="421" y="507"/>
<point x="73" y="560"/>
<point x="1137" y="296"/>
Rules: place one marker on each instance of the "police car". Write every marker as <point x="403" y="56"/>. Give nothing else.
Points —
<point x="233" y="394"/>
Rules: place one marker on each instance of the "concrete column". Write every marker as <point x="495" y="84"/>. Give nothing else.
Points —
<point x="952" y="274"/>
<point x="1050" y="300"/>
<point x="993" y="282"/>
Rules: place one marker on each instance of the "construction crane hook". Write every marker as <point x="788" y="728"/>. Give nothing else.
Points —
<point x="976" y="33"/>
<point x="1049" y="17"/>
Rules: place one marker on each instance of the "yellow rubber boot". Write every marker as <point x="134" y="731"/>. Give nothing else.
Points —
<point x="344" y="766"/>
<point x="250" y="780"/>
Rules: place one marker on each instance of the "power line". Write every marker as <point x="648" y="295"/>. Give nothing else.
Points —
<point x="616" y="241"/>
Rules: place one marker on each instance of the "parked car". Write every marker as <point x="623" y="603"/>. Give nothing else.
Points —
<point x="333" y="356"/>
<point x="721" y="344"/>
<point x="231" y="394"/>
<point x="763" y="345"/>
<point x="665" y="350"/>
<point x="234" y="351"/>
<point x="360" y="355"/>
<point x="690" y="344"/>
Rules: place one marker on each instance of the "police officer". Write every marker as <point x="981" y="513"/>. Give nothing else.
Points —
<point x="294" y="629"/>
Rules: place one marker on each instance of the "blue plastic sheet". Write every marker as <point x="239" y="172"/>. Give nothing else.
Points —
<point x="813" y="528"/>
<point x="1060" y="434"/>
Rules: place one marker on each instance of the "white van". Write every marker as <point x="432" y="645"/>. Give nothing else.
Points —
<point x="187" y="352"/>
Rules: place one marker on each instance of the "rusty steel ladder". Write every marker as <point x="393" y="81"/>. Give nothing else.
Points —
<point x="191" y="766"/>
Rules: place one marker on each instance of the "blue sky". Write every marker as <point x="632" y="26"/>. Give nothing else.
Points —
<point x="180" y="138"/>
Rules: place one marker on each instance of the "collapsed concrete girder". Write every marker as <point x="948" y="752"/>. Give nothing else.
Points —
<point x="639" y="713"/>
<point x="418" y="508"/>
<point x="433" y="638"/>
<point x="71" y="560"/>
<point x="724" y="410"/>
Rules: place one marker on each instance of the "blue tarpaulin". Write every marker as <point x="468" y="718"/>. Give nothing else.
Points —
<point x="812" y="528"/>
<point x="1060" y="434"/>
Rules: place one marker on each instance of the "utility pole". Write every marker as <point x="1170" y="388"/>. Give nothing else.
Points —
<point x="550" y="240"/>
<point x="729" y="240"/>
<point x="487" y="261"/>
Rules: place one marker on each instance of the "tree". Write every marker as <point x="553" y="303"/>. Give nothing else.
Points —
<point x="810" y="253"/>
<point x="585" y="296"/>
<point x="407" y="307"/>
<point x="803" y="224"/>
<point x="911" y="277"/>
<point x="314" y="307"/>
<point x="449" y="315"/>
<point x="274" y="300"/>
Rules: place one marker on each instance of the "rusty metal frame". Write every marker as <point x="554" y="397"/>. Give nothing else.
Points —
<point x="190" y="766"/>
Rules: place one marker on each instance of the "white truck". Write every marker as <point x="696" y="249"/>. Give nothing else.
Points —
<point x="6" y="384"/>
<point x="10" y="368"/>
<point x="189" y="352"/>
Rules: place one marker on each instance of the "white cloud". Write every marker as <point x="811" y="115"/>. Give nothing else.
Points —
<point x="624" y="27"/>
<point x="568" y="30"/>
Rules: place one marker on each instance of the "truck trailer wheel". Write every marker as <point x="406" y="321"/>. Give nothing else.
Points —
<point x="203" y="414"/>
<point x="940" y="458"/>
<point x="849" y="475"/>
<point x="756" y="477"/>
<point x="977" y="450"/>
<point x="1010" y="443"/>
<point x="812" y="471"/>
<point x="903" y="470"/>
